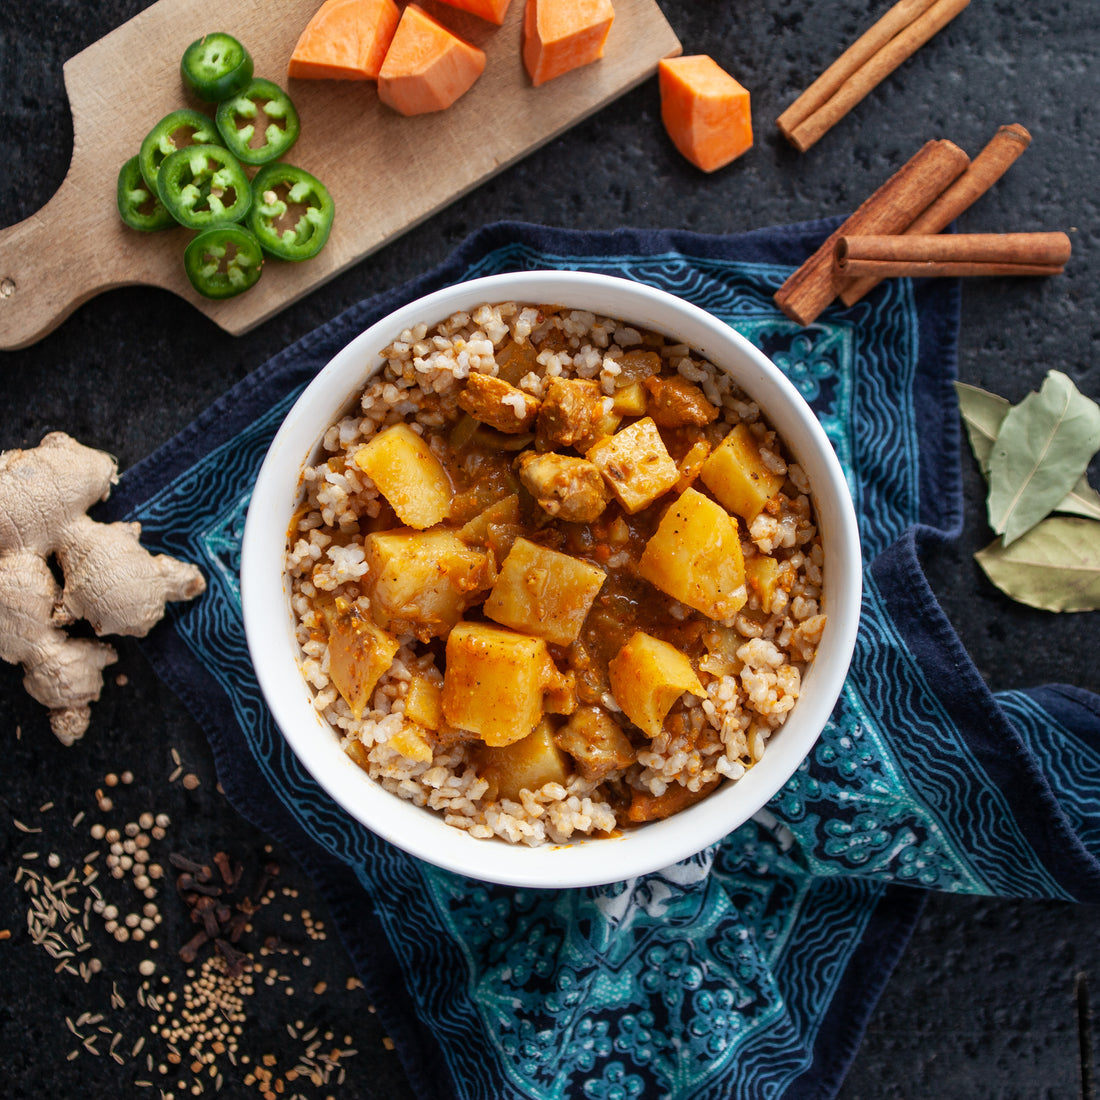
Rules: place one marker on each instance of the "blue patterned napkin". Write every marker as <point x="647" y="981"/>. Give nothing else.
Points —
<point x="751" y="969"/>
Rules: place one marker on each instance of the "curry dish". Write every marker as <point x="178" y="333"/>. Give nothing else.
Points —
<point x="554" y="575"/>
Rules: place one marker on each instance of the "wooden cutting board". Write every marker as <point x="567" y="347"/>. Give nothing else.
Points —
<point x="386" y="173"/>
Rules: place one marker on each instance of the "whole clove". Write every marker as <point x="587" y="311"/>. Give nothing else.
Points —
<point x="222" y="918"/>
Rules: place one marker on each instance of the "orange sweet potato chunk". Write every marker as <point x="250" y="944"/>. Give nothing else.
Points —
<point x="705" y="111"/>
<point x="345" y="40"/>
<point x="561" y="35"/>
<point x="426" y="67"/>
<point x="493" y="10"/>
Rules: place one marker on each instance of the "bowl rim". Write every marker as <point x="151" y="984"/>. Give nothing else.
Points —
<point x="268" y="622"/>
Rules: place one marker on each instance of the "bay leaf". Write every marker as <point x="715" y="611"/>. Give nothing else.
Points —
<point x="1081" y="500"/>
<point x="1043" y="447"/>
<point x="1055" y="566"/>
<point x="982" y="413"/>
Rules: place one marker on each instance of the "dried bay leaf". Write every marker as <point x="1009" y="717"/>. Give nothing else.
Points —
<point x="1055" y="566"/>
<point x="982" y="413"/>
<point x="1041" y="451"/>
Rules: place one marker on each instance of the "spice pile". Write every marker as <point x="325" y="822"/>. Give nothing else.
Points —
<point x="180" y="959"/>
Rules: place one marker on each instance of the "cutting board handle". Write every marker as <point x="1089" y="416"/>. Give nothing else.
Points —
<point x="49" y="264"/>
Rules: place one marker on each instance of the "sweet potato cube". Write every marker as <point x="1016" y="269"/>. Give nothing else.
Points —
<point x="630" y="400"/>
<point x="424" y="702"/>
<point x="762" y="578"/>
<point x="345" y="40"/>
<point x="410" y="742"/>
<point x="408" y="475"/>
<point x="426" y="67"/>
<point x="544" y="592"/>
<point x="493" y="10"/>
<point x="498" y="684"/>
<point x="635" y="464"/>
<point x="561" y="35"/>
<point x="359" y="653"/>
<point x="420" y="582"/>
<point x="695" y="557"/>
<point x="647" y="676"/>
<point x="526" y="764"/>
<point x="691" y="464"/>
<point x="596" y="743"/>
<point x="737" y="475"/>
<point x="704" y="110"/>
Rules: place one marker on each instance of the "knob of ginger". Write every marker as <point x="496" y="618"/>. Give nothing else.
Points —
<point x="111" y="580"/>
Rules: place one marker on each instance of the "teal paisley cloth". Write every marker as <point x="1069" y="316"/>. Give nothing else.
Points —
<point x="750" y="970"/>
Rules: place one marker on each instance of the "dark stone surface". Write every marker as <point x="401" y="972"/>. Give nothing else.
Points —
<point x="982" y="1003"/>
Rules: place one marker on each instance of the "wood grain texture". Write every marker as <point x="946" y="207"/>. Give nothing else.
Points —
<point x="386" y="173"/>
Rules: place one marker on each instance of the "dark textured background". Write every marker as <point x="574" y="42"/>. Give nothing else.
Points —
<point x="982" y="1004"/>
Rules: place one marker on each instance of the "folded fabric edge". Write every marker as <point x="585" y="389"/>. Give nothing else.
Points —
<point x="946" y="664"/>
<point x="881" y="947"/>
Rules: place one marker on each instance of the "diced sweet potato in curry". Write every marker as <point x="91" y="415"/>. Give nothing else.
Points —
<point x="635" y="464"/>
<point x="526" y="764"/>
<point x="498" y="404"/>
<point x="359" y="652"/>
<point x="567" y="487"/>
<point x="737" y="475"/>
<point x="544" y="592"/>
<point x="408" y="475"/>
<point x="762" y="578"/>
<point x="695" y="557"/>
<point x="498" y="684"/>
<point x="647" y="676"/>
<point x="424" y="702"/>
<point x="420" y="582"/>
<point x="411" y="742"/>
<point x="596" y="743"/>
<point x="630" y="400"/>
<point x="691" y="465"/>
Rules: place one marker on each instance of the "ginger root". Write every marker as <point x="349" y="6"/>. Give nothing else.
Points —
<point x="111" y="581"/>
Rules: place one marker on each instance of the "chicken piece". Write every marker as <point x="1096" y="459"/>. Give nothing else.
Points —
<point x="498" y="404"/>
<point x="675" y="403"/>
<point x="571" y="413"/>
<point x="568" y="488"/>
<point x="596" y="742"/>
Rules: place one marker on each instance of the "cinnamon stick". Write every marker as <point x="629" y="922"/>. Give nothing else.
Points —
<point x="985" y="170"/>
<point x="891" y="209"/>
<point x="953" y="254"/>
<point x="892" y="40"/>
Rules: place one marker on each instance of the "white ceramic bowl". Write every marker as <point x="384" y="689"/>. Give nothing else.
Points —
<point x="274" y="652"/>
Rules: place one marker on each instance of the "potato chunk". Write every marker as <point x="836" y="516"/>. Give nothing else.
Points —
<point x="544" y="592"/>
<point x="498" y="684"/>
<point x="635" y="464"/>
<point x="424" y="702"/>
<point x="737" y="475"/>
<point x="596" y="742"/>
<point x="564" y="486"/>
<point x="695" y="557"/>
<point x="498" y="404"/>
<point x="408" y="475"/>
<point x="526" y="764"/>
<point x="420" y="582"/>
<point x="359" y="652"/>
<point x="647" y="676"/>
<point x="762" y="578"/>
